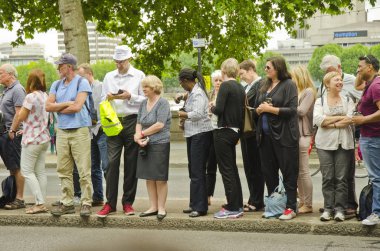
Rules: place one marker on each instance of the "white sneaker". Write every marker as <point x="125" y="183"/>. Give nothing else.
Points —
<point x="326" y="216"/>
<point x="371" y="220"/>
<point x="76" y="201"/>
<point x="339" y="216"/>
<point x="288" y="214"/>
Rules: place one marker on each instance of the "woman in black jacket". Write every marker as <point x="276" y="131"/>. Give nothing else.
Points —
<point x="277" y="131"/>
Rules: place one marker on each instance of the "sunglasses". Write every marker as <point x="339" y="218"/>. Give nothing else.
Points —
<point x="267" y="68"/>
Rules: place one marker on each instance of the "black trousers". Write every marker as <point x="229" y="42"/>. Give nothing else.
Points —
<point x="211" y="170"/>
<point x="275" y="157"/>
<point x="253" y="173"/>
<point x="197" y="153"/>
<point x="225" y="141"/>
<point x="115" y="145"/>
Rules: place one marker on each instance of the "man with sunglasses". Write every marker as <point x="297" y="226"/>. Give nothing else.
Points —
<point x="123" y="88"/>
<point x="369" y="107"/>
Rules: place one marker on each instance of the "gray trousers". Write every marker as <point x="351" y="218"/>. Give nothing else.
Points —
<point x="335" y="166"/>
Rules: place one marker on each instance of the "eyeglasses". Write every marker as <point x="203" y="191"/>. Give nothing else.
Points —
<point x="181" y="82"/>
<point x="120" y="61"/>
<point x="267" y="68"/>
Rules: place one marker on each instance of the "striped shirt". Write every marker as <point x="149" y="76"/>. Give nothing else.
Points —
<point x="196" y="107"/>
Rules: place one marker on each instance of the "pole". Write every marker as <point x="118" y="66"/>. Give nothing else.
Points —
<point x="199" y="56"/>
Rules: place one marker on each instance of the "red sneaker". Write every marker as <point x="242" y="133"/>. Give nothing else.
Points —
<point x="106" y="210"/>
<point x="128" y="209"/>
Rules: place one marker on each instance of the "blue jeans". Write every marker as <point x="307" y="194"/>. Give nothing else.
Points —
<point x="99" y="163"/>
<point x="370" y="148"/>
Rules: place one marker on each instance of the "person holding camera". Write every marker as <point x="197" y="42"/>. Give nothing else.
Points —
<point x="153" y="137"/>
<point x="277" y="131"/>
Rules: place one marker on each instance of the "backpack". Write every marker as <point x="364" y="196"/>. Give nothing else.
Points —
<point x="365" y="202"/>
<point x="90" y="106"/>
<point x="8" y="185"/>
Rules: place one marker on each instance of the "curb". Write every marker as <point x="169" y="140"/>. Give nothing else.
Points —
<point x="174" y="222"/>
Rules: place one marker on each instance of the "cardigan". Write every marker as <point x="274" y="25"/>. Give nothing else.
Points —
<point x="284" y="126"/>
<point x="230" y="105"/>
<point x="305" y="112"/>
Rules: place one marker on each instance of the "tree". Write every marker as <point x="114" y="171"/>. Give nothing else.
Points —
<point x="50" y="72"/>
<point x="375" y="51"/>
<point x="317" y="56"/>
<point x="159" y="29"/>
<point x="350" y="57"/>
<point x="100" y="68"/>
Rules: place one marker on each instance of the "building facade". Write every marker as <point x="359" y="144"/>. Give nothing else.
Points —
<point x="22" y="54"/>
<point x="101" y="47"/>
<point x="357" y="26"/>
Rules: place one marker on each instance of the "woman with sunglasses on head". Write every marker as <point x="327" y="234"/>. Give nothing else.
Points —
<point x="277" y="131"/>
<point x="197" y="131"/>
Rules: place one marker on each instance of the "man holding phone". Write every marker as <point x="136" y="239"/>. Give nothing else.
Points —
<point x="123" y="88"/>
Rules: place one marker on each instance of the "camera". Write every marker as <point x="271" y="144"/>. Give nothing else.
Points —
<point x="142" y="150"/>
<point x="268" y="100"/>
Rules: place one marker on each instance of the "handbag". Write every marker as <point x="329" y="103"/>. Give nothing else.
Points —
<point x="108" y="119"/>
<point x="276" y="202"/>
<point x="249" y="125"/>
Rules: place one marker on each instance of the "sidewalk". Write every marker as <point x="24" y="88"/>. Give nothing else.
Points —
<point x="176" y="220"/>
<point x="178" y="157"/>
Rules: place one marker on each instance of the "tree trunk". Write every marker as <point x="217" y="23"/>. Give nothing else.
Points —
<point x="74" y="29"/>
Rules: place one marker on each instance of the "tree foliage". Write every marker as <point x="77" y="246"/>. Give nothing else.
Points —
<point x="375" y="51"/>
<point x="100" y="68"/>
<point x="50" y="72"/>
<point x="317" y="56"/>
<point x="350" y="57"/>
<point x="158" y="30"/>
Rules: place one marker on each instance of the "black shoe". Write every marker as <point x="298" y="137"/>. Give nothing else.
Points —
<point x="161" y="216"/>
<point x="187" y="211"/>
<point x="148" y="214"/>
<point x="194" y="214"/>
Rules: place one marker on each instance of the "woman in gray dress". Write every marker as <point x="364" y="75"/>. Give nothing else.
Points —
<point x="153" y="136"/>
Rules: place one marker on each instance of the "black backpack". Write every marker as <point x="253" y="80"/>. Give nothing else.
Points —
<point x="365" y="202"/>
<point x="8" y="185"/>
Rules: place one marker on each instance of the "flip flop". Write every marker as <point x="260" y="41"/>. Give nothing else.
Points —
<point x="36" y="210"/>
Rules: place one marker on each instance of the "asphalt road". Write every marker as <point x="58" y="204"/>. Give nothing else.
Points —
<point x="83" y="239"/>
<point x="179" y="185"/>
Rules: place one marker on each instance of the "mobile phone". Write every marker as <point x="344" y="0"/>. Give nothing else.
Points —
<point x="268" y="100"/>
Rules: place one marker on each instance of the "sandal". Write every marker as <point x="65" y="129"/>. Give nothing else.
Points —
<point x="16" y="204"/>
<point x="37" y="209"/>
<point x="249" y="208"/>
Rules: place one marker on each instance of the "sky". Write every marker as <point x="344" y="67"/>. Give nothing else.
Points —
<point x="50" y="40"/>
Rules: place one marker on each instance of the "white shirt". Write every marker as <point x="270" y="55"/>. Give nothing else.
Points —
<point x="131" y="82"/>
<point x="331" y="138"/>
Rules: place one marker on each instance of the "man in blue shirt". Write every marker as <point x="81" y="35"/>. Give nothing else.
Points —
<point x="69" y="98"/>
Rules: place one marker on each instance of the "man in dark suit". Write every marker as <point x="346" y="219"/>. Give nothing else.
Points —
<point x="250" y="152"/>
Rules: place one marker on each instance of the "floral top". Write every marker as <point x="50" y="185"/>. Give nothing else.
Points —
<point x="35" y="126"/>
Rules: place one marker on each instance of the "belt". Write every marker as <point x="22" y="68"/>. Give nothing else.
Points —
<point x="131" y="116"/>
<point x="69" y="129"/>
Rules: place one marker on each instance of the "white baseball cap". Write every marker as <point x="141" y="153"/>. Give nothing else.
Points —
<point x="122" y="52"/>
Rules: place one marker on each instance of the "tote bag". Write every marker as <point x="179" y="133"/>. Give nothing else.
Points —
<point x="249" y="125"/>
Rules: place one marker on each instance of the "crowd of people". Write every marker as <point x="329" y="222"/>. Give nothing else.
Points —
<point x="288" y="112"/>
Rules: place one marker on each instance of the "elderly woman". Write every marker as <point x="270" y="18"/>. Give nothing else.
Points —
<point x="306" y="100"/>
<point x="197" y="131"/>
<point x="277" y="131"/>
<point x="216" y="80"/>
<point x="335" y="145"/>
<point x="35" y="139"/>
<point x="153" y="137"/>
<point x="229" y="108"/>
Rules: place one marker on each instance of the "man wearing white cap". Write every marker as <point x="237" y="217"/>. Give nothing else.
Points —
<point x="68" y="97"/>
<point x="123" y="88"/>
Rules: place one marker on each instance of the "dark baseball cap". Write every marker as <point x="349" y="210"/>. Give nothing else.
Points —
<point x="67" y="58"/>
